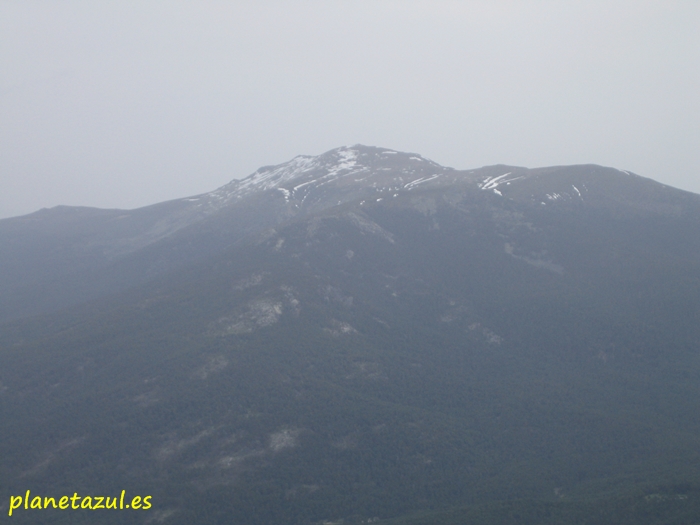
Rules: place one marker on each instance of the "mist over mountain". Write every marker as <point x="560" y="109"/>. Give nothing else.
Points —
<point x="364" y="336"/>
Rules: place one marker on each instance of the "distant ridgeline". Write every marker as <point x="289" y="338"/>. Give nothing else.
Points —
<point x="359" y="337"/>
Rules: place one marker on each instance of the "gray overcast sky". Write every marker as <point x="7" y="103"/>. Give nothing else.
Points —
<point x="127" y="103"/>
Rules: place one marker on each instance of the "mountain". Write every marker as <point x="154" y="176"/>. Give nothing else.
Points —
<point x="362" y="334"/>
<point x="66" y="254"/>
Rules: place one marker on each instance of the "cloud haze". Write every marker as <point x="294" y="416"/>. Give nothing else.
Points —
<point x="124" y="103"/>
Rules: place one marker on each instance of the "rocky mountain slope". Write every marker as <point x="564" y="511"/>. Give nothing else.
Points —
<point x="363" y="334"/>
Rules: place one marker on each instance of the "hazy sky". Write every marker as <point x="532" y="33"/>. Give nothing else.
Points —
<point x="127" y="103"/>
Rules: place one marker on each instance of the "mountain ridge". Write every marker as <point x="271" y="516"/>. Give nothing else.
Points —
<point x="81" y="253"/>
<point x="428" y="350"/>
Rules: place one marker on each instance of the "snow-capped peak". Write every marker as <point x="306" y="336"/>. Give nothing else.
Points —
<point x="304" y="173"/>
<point x="337" y="162"/>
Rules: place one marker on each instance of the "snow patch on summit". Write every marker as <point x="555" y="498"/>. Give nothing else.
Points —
<point x="348" y="160"/>
<point x="492" y="183"/>
<point x="340" y="162"/>
<point x="304" y="176"/>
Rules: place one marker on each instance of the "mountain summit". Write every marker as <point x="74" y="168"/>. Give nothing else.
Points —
<point x="361" y="337"/>
<point x="344" y="172"/>
<point x="66" y="255"/>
